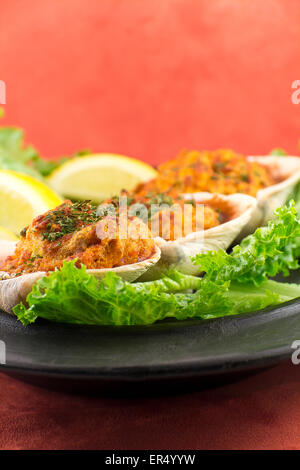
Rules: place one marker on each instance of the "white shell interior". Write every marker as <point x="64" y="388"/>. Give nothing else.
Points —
<point x="272" y="197"/>
<point x="177" y="253"/>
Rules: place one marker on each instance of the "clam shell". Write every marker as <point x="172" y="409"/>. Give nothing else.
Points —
<point x="177" y="253"/>
<point x="15" y="290"/>
<point x="275" y="196"/>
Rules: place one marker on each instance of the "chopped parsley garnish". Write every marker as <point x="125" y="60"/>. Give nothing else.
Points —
<point x="106" y="209"/>
<point x="219" y="166"/>
<point x="161" y="198"/>
<point x="69" y="218"/>
<point x="23" y="232"/>
<point x="191" y="201"/>
<point x="245" y="178"/>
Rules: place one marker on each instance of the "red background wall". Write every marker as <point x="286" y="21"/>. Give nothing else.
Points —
<point x="149" y="77"/>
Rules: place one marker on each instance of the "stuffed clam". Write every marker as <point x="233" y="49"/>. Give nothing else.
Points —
<point x="186" y="224"/>
<point x="75" y="231"/>
<point x="207" y="222"/>
<point x="273" y="180"/>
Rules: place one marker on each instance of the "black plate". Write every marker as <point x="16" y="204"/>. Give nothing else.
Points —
<point x="170" y="354"/>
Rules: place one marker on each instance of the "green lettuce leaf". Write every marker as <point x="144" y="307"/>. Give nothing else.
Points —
<point x="234" y="283"/>
<point x="45" y="167"/>
<point x="278" y="152"/>
<point x="294" y="195"/>
<point x="14" y="155"/>
<point x="249" y="297"/>
<point x="71" y="295"/>
<point x="269" y="251"/>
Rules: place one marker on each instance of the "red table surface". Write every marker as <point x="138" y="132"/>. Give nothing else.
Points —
<point x="261" y="412"/>
<point x="147" y="78"/>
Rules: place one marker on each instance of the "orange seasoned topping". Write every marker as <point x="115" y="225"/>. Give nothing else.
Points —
<point x="77" y="231"/>
<point x="219" y="171"/>
<point x="170" y="215"/>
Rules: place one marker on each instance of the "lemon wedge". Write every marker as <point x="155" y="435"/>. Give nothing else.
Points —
<point x="7" y="235"/>
<point x="99" y="176"/>
<point x="22" y="198"/>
